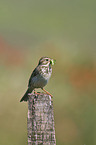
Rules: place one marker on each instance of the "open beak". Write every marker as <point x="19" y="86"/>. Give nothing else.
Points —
<point x="52" y="61"/>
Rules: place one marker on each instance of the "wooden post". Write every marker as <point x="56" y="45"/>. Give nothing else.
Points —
<point x="40" y="122"/>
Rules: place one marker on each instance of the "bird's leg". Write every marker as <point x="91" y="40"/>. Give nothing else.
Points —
<point x="36" y="92"/>
<point x="46" y="92"/>
<point x="32" y="92"/>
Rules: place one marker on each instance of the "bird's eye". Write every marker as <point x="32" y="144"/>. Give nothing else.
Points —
<point x="46" y="59"/>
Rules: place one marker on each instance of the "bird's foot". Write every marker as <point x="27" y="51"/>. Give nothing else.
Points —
<point x="29" y="94"/>
<point x="38" y="93"/>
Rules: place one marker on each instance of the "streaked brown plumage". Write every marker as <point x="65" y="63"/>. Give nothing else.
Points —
<point x="40" y="76"/>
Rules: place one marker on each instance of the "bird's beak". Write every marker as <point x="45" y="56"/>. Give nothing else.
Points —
<point x="52" y="61"/>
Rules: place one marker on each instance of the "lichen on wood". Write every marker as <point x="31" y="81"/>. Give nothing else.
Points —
<point x="40" y="123"/>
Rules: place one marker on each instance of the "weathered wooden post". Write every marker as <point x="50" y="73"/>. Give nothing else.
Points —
<point x="40" y="122"/>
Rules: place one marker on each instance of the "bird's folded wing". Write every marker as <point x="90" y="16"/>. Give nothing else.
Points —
<point x="35" y="72"/>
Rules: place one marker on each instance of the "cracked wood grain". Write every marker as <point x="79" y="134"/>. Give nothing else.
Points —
<point x="40" y="123"/>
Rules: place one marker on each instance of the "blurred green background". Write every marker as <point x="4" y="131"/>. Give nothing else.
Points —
<point x="66" y="31"/>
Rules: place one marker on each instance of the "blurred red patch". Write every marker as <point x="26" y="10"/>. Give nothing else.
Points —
<point x="80" y="78"/>
<point x="10" y="55"/>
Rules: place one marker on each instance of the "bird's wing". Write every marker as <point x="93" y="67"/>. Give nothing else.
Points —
<point x="34" y="73"/>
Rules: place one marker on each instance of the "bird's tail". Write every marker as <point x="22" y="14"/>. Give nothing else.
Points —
<point x="25" y="97"/>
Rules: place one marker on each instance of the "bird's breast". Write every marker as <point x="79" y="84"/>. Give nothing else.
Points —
<point x="41" y="79"/>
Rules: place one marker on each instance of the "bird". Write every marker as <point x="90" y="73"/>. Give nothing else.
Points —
<point x="39" y="77"/>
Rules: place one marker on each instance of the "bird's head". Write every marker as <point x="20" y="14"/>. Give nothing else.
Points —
<point x="46" y="61"/>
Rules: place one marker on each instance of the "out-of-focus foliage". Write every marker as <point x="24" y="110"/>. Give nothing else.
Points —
<point x="64" y="30"/>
